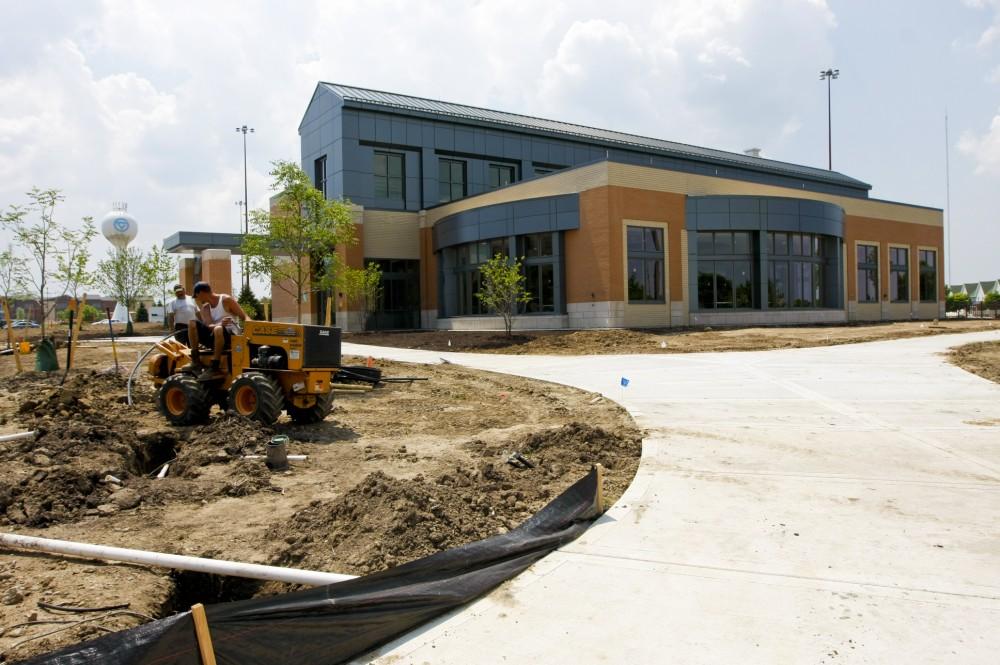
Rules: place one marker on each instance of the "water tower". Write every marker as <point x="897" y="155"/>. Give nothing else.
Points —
<point x="120" y="228"/>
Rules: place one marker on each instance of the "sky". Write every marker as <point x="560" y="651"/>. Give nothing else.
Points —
<point x="139" y="101"/>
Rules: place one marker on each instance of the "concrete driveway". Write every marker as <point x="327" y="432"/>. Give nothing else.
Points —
<point x="828" y="505"/>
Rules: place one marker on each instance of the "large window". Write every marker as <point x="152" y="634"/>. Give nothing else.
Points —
<point x="928" y="275"/>
<point x="389" y="176"/>
<point x="539" y="263"/>
<point x="795" y="270"/>
<point x="467" y="259"/>
<point x="646" y="283"/>
<point x="899" y="274"/>
<point x="725" y="270"/>
<point x="451" y="179"/>
<point x="500" y="176"/>
<point x="319" y="174"/>
<point x="536" y="252"/>
<point x="867" y="258"/>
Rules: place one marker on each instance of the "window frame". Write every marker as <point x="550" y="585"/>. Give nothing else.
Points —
<point x="497" y="167"/>
<point x="389" y="154"/>
<point x="724" y="258"/>
<point x="319" y="167"/>
<point x="921" y="272"/>
<point x="451" y="183"/>
<point x="653" y="262"/>
<point x="896" y="270"/>
<point x="867" y="267"/>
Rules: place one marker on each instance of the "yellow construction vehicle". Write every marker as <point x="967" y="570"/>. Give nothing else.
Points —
<point x="269" y="368"/>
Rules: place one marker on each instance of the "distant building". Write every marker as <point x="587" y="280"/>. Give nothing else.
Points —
<point x="615" y="229"/>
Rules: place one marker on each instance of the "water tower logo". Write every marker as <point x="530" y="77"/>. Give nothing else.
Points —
<point x="121" y="225"/>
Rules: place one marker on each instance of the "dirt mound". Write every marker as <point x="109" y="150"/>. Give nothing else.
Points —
<point x="247" y="477"/>
<point x="384" y="521"/>
<point x="381" y="522"/>
<point x="87" y="395"/>
<point x="224" y="439"/>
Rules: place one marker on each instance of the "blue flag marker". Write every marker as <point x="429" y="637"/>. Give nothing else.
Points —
<point x="624" y="382"/>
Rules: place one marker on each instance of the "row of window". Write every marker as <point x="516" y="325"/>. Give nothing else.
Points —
<point x="389" y="176"/>
<point x="539" y="265"/>
<point x="899" y="274"/>
<point x="739" y="243"/>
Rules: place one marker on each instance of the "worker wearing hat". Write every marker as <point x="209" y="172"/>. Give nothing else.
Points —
<point x="181" y="311"/>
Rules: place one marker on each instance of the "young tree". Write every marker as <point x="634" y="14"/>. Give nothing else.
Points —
<point x="142" y="314"/>
<point x="124" y="275"/>
<point x="73" y="259"/>
<point x="12" y="284"/>
<point x="248" y="301"/>
<point x="364" y="288"/>
<point x="502" y="289"/>
<point x="991" y="301"/>
<point x="284" y="243"/>
<point x="39" y="239"/>
<point x="163" y="272"/>
<point x="956" y="302"/>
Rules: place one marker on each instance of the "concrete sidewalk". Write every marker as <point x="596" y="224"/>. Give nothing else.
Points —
<point x="838" y="504"/>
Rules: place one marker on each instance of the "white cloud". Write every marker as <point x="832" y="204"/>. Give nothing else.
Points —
<point x="984" y="148"/>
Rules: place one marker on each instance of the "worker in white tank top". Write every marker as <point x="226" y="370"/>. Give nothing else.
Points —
<point x="214" y="326"/>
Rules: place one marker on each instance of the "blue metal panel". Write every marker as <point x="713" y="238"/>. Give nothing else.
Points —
<point x="414" y="135"/>
<point x="366" y="126"/>
<point x="464" y="140"/>
<point x="508" y="219"/>
<point x="398" y="131"/>
<point x="444" y="136"/>
<point x="383" y="129"/>
<point x="349" y="118"/>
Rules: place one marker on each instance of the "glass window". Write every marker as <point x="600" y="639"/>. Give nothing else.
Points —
<point x="724" y="243"/>
<point x="534" y="245"/>
<point x="899" y="270"/>
<point x="741" y="243"/>
<point x="867" y="286"/>
<point x="319" y="174"/>
<point x="742" y="285"/>
<point x="705" y="244"/>
<point x="388" y="174"/>
<point x="928" y="275"/>
<point x="795" y="248"/>
<point x="451" y="179"/>
<point x="499" y="175"/>
<point x="634" y="235"/>
<point x="777" y="285"/>
<point x="652" y="239"/>
<point x="706" y="285"/>
<point x="780" y="244"/>
<point x="646" y="281"/>
<point x="724" y="284"/>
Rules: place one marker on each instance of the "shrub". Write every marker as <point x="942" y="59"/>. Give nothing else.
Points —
<point x="142" y="314"/>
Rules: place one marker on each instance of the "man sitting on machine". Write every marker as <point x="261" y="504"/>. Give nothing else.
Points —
<point x="214" y="327"/>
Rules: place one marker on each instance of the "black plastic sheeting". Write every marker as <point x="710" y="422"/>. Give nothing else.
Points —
<point x="340" y="621"/>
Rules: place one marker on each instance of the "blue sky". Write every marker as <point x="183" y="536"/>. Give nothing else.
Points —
<point x="139" y="101"/>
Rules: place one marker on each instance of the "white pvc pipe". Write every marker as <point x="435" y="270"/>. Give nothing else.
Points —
<point x="15" y="437"/>
<point x="290" y="458"/>
<point x="193" y="563"/>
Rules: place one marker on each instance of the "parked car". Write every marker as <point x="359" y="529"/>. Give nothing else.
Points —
<point x="24" y="323"/>
<point x="104" y="322"/>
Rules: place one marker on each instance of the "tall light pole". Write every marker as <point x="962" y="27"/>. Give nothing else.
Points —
<point x="828" y="75"/>
<point x="243" y="267"/>
<point x="246" y="201"/>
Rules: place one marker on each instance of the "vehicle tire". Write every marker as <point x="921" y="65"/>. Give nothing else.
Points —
<point x="258" y="396"/>
<point x="183" y="400"/>
<point x="313" y="414"/>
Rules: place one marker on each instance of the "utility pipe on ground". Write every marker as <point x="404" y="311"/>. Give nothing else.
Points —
<point x="177" y="561"/>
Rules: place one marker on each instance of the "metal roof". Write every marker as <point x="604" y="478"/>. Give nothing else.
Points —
<point x="396" y="101"/>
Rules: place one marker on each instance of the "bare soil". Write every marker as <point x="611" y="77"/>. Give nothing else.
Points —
<point x="981" y="358"/>
<point x="673" y="340"/>
<point x="393" y="474"/>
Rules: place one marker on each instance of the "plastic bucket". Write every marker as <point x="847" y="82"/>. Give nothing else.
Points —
<point x="277" y="453"/>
